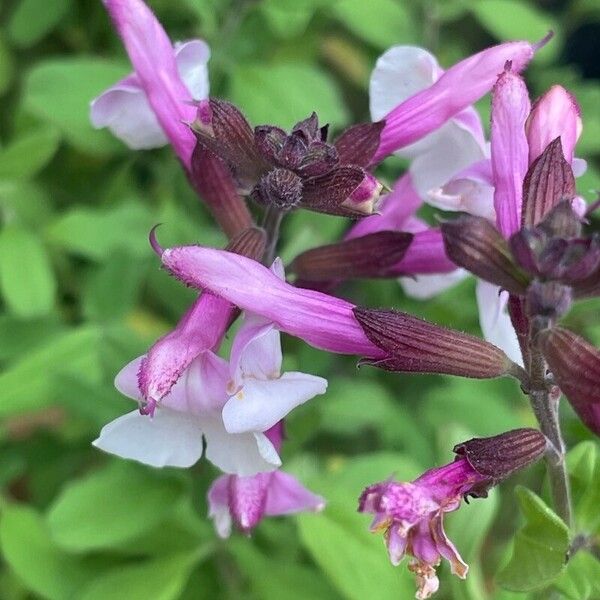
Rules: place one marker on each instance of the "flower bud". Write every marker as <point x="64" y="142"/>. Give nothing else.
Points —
<point x="417" y="346"/>
<point x="575" y="365"/>
<point x="500" y="456"/>
<point x="372" y="255"/>
<point x="281" y="188"/>
<point x="475" y="244"/>
<point x="549" y="299"/>
<point x="251" y="243"/>
<point x="548" y="181"/>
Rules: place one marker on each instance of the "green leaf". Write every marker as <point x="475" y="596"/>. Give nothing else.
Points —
<point x="26" y="276"/>
<point x="31" y="554"/>
<point x="382" y="23"/>
<point x="285" y="93"/>
<point x="96" y="233"/>
<point x="580" y="579"/>
<point x="6" y="65"/>
<point x="29" y="153"/>
<point x="540" y="547"/>
<point x="84" y="78"/>
<point x="517" y="20"/>
<point x="272" y="578"/>
<point x="112" y="290"/>
<point x="110" y="506"/>
<point x="584" y="471"/>
<point x="160" y="579"/>
<point x="33" y="19"/>
<point x="29" y="383"/>
<point x="288" y="18"/>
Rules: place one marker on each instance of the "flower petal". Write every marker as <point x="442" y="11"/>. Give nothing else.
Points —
<point x="425" y="255"/>
<point x="555" y="114"/>
<point x="396" y="545"/>
<point x="126" y="380"/>
<point x="260" y="404"/>
<point x="169" y="439"/>
<point x="469" y="191"/>
<point x="192" y="58"/>
<point x="494" y="320"/>
<point x="510" y="108"/>
<point x="200" y="329"/>
<point x="256" y="351"/>
<point x="424" y="287"/>
<point x="286" y="495"/>
<point x="242" y="454"/>
<point x="455" y="149"/>
<point x="125" y="110"/>
<point x="446" y="548"/>
<point x="457" y="88"/>
<point x="247" y="499"/>
<point x="324" y="321"/>
<point x="218" y="506"/>
<point x="153" y="59"/>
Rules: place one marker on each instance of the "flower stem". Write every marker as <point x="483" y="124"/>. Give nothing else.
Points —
<point x="271" y="221"/>
<point x="544" y="402"/>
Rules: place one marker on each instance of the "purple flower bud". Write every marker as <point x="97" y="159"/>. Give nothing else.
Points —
<point x="281" y="188"/>
<point x="411" y="514"/>
<point x="475" y="244"/>
<point x="549" y="299"/>
<point x="413" y="345"/>
<point x="575" y="365"/>
<point x="549" y="180"/>
<point x="368" y="256"/>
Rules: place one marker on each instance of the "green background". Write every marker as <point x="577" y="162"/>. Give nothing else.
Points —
<point x="81" y="294"/>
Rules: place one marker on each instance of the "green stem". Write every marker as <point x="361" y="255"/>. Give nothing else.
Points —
<point x="271" y="222"/>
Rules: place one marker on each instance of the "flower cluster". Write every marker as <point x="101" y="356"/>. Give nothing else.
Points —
<point x="522" y="237"/>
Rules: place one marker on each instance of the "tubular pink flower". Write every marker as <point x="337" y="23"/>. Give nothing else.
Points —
<point x="321" y="320"/>
<point x="455" y="90"/>
<point x="153" y="59"/>
<point x="509" y="154"/>
<point x="555" y="114"/>
<point x="246" y="500"/>
<point x="201" y="329"/>
<point x="411" y="514"/>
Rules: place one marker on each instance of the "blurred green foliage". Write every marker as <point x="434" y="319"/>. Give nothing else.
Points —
<point x="81" y="294"/>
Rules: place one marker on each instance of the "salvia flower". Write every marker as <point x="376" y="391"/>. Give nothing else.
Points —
<point x="244" y="501"/>
<point x="296" y="169"/>
<point x="411" y="515"/>
<point x="191" y="411"/>
<point x="260" y="395"/>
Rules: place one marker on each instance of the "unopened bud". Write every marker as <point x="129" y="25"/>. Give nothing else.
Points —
<point x="417" y="346"/>
<point x="281" y="188"/>
<point x="575" y="365"/>
<point x="369" y="256"/>
<point x="549" y="299"/>
<point x="500" y="456"/>
<point x="475" y="244"/>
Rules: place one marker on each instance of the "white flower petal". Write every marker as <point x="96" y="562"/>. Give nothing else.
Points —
<point x="399" y="73"/>
<point x="218" y="506"/>
<point x="260" y="404"/>
<point x="423" y="287"/>
<point x="241" y="454"/>
<point x="125" y="110"/>
<point x="192" y="58"/>
<point x="169" y="439"/>
<point x="455" y="148"/>
<point x="495" y="322"/>
<point x="126" y="380"/>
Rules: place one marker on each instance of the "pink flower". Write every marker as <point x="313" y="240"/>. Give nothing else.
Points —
<point x="411" y="515"/>
<point x="454" y="91"/>
<point x="158" y="74"/>
<point x="125" y="109"/>
<point x="246" y="500"/>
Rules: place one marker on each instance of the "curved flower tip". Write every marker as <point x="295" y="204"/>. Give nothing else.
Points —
<point x="244" y="501"/>
<point x="411" y="514"/>
<point x="158" y="249"/>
